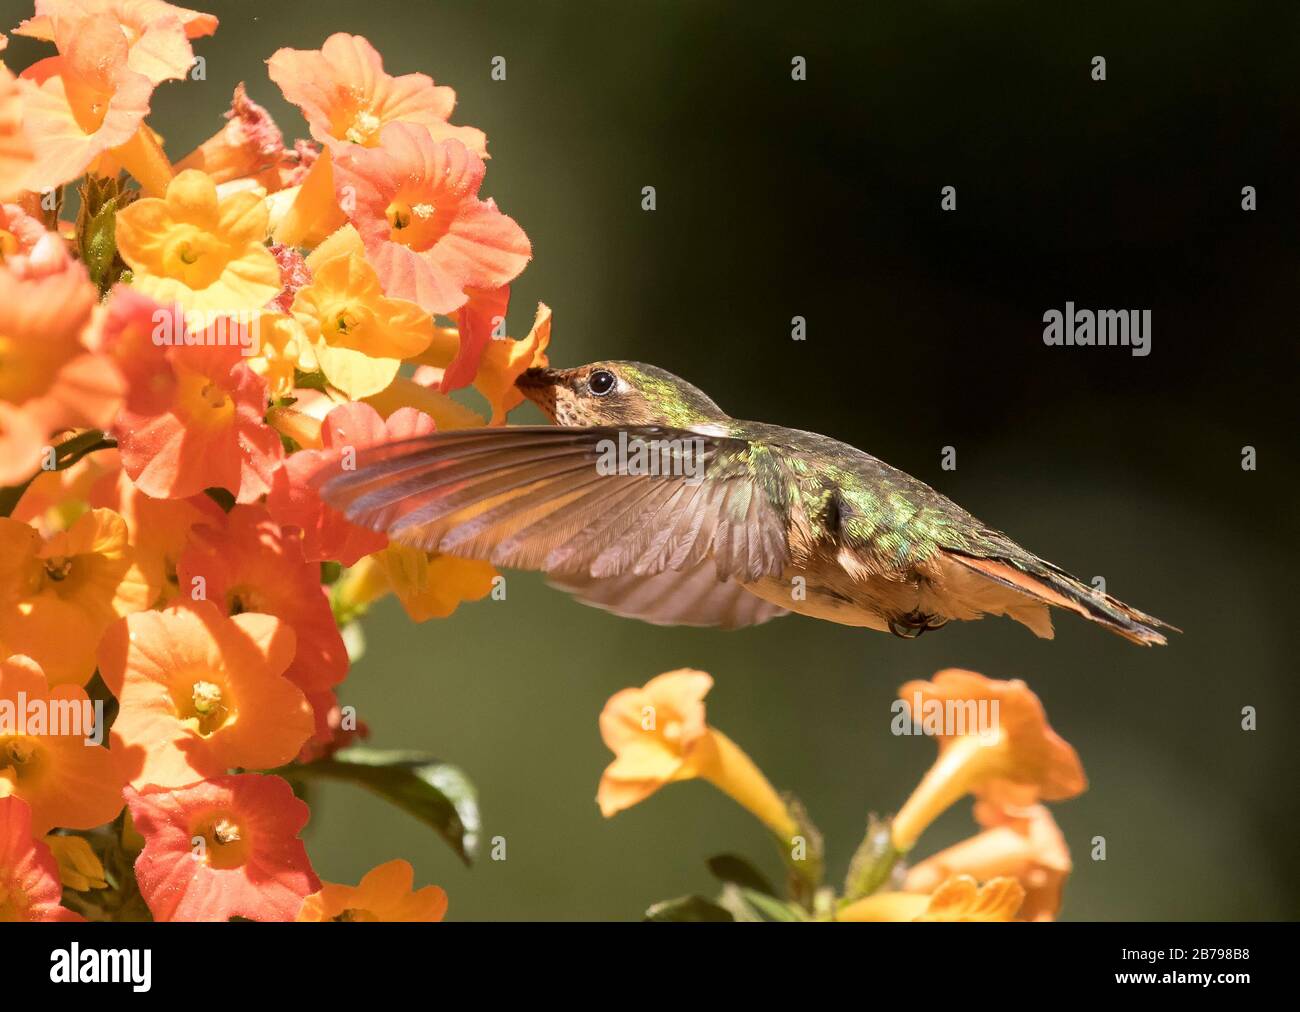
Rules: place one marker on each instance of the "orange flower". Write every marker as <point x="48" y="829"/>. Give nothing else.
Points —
<point x="383" y="895"/>
<point x="659" y="736"/>
<point x="29" y="874"/>
<point x="193" y="248"/>
<point x="16" y="154"/>
<point x="48" y="756"/>
<point x="82" y="103"/>
<point x="200" y="693"/>
<point x="249" y="145"/>
<point x="157" y="33"/>
<point x="248" y="861"/>
<point x="1023" y="750"/>
<point x="57" y="596"/>
<point x="429" y="236"/>
<point x="505" y="360"/>
<point x="476" y="326"/>
<point x="347" y="97"/>
<point x="958" y="899"/>
<point x="19" y="231"/>
<point x="49" y="379"/>
<point x="247" y="563"/>
<point x="1027" y="847"/>
<point x="294" y="502"/>
<point x="358" y="336"/>
<point x="200" y="423"/>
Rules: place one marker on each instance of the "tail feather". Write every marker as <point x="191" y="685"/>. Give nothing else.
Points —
<point x="1048" y="584"/>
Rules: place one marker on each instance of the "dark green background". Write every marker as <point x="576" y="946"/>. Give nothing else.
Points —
<point x="820" y="199"/>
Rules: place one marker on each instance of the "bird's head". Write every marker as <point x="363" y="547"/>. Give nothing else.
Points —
<point x="618" y="393"/>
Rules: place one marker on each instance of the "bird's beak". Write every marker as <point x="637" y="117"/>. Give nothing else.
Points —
<point x="537" y="379"/>
<point x="539" y="386"/>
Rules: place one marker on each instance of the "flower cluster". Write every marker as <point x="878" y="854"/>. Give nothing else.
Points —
<point x="1014" y="869"/>
<point x="177" y="361"/>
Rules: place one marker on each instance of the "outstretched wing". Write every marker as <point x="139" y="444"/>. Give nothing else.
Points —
<point x="563" y="500"/>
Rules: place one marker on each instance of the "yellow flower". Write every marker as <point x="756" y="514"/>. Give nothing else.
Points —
<point x="384" y="894"/>
<point x="281" y="348"/>
<point x="1022" y="753"/>
<point x="960" y="898"/>
<point x="659" y="736"/>
<point x="406" y="393"/>
<point x="192" y="248"/>
<point x="429" y="586"/>
<point x="79" y="868"/>
<point x="358" y="335"/>
<point x="506" y="359"/>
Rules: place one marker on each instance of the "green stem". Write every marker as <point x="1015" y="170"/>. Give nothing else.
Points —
<point x="66" y="454"/>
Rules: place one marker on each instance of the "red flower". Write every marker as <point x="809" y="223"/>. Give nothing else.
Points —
<point x="294" y="503"/>
<point x="429" y="236"/>
<point x="247" y="563"/>
<point x="225" y="847"/>
<point x="29" y="874"/>
<point x="200" y="424"/>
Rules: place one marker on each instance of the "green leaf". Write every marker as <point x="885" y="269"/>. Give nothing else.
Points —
<point x="435" y="792"/>
<point x="688" y="908"/>
<point x="748" y="905"/>
<point x="731" y="868"/>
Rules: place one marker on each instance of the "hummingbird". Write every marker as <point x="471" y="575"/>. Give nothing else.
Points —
<point x="646" y="499"/>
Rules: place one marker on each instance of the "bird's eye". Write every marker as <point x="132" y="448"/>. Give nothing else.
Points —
<point x="601" y="382"/>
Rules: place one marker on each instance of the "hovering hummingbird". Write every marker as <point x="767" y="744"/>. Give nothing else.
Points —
<point x="721" y="523"/>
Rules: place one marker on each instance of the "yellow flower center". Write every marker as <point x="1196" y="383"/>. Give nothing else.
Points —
<point x="206" y="697"/>
<point x="57" y="569"/>
<point x="18" y="752"/>
<point x="202" y="701"/>
<point x="364" y="129"/>
<point x="355" y="914"/>
<point x="225" y="844"/>
<point x="204" y="403"/>
<point x="194" y="257"/>
<point x="414" y="224"/>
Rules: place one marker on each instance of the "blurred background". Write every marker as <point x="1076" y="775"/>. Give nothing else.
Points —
<point x="924" y="330"/>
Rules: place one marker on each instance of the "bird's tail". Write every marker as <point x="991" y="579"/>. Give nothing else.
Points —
<point x="1042" y="582"/>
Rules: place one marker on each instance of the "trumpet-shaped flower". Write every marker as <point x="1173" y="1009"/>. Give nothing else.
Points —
<point x="250" y="145"/>
<point x="247" y="861"/>
<point x="82" y="103"/>
<point x="49" y="379"/>
<point x="58" y="595"/>
<point x="193" y="248"/>
<point x="45" y="757"/>
<point x="384" y="894"/>
<point x="505" y="360"/>
<point x="1022" y="751"/>
<point x="658" y="735"/>
<point x="16" y="154"/>
<point x="201" y="424"/>
<point x="200" y="692"/>
<point x="157" y="34"/>
<point x="358" y="335"/>
<point x="348" y="98"/>
<point x="429" y="236"/>
<point x="294" y="502"/>
<point x="1027" y="847"/>
<point x="247" y="563"/>
<point x="960" y="898"/>
<point x="429" y="586"/>
<point x="29" y="875"/>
